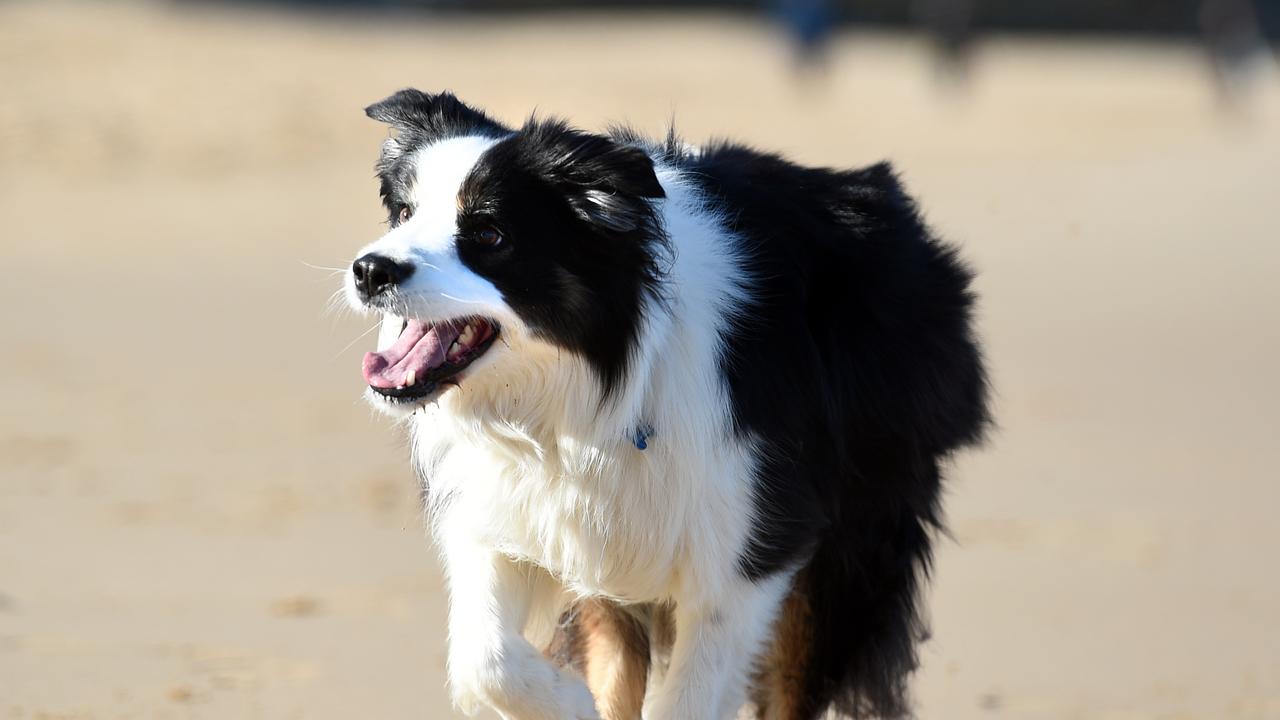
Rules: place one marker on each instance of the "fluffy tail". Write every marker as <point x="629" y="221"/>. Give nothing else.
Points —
<point x="862" y="594"/>
<point x="847" y="637"/>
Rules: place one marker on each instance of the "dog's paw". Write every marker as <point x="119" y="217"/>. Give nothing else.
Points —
<point x="466" y="700"/>
<point x="573" y="702"/>
<point x="520" y="685"/>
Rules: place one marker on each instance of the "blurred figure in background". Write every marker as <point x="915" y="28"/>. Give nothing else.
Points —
<point x="949" y="25"/>
<point x="809" y="23"/>
<point x="1236" y="46"/>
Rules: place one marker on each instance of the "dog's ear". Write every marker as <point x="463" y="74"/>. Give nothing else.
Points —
<point x="606" y="182"/>
<point x="436" y="115"/>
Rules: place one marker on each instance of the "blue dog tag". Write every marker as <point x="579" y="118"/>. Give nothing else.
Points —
<point x="644" y="431"/>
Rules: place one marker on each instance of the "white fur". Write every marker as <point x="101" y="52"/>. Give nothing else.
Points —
<point x="537" y="492"/>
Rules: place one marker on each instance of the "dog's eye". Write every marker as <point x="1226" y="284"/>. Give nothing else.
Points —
<point x="489" y="238"/>
<point x="406" y="212"/>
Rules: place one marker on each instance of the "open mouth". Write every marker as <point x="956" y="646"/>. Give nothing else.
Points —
<point x="427" y="355"/>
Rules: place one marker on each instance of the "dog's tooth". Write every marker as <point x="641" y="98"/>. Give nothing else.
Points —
<point x="411" y="378"/>
<point x="468" y="334"/>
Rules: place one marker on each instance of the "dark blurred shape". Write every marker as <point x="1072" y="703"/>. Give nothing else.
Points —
<point x="809" y="23"/>
<point x="950" y="26"/>
<point x="1234" y="33"/>
<point x="1234" y="41"/>
<point x="813" y="18"/>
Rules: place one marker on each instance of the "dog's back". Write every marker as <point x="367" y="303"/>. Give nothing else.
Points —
<point x="857" y="366"/>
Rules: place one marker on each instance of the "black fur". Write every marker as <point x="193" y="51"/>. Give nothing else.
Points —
<point x="859" y="369"/>
<point x="584" y="241"/>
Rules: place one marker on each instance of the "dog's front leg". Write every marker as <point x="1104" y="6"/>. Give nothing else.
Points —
<point x="716" y="642"/>
<point x="490" y="662"/>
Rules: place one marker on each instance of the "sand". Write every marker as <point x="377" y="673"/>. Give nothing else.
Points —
<point x="199" y="518"/>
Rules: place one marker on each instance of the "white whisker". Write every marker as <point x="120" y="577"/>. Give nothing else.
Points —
<point x="334" y="271"/>
<point x="360" y="337"/>
<point x="335" y="303"/>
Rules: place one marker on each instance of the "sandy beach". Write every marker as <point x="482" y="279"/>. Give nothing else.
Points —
<point x="200" y="519"/>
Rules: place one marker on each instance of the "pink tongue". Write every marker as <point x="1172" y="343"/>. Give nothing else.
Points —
<point x="419" y="349"/>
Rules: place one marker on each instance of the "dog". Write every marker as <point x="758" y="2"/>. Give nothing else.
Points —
<point x="680" y="413"/>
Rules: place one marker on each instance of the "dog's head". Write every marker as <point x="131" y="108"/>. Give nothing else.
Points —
<point x="502" y="243"/>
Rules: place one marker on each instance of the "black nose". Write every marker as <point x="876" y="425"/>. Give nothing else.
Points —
<point x="375" y="273"/>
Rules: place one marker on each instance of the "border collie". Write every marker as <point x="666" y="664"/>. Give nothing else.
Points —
<point x="680" y="413"/>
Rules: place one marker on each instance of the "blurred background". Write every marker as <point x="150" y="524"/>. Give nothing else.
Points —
<point x="200" y="519"/>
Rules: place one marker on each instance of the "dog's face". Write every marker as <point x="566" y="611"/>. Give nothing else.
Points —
<point x="502" y="243"/>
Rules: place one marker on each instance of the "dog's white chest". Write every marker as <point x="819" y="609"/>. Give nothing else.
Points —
<point x="598" y="518"/>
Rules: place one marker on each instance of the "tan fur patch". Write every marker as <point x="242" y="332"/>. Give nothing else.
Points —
<point x="609" y="646"/>
<point x="779" y="688"/>
<point x="616" y="659"/>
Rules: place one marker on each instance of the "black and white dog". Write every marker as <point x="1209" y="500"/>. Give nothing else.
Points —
<point x="680" y="413"/>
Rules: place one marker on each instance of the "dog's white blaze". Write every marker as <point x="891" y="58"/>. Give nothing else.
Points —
<point x="441" y="167"/>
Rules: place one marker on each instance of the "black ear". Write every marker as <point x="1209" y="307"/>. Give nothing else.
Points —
<point x="397" y="109"/>
<point x="441" y="115"/>
<point x="607" y="183"/>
